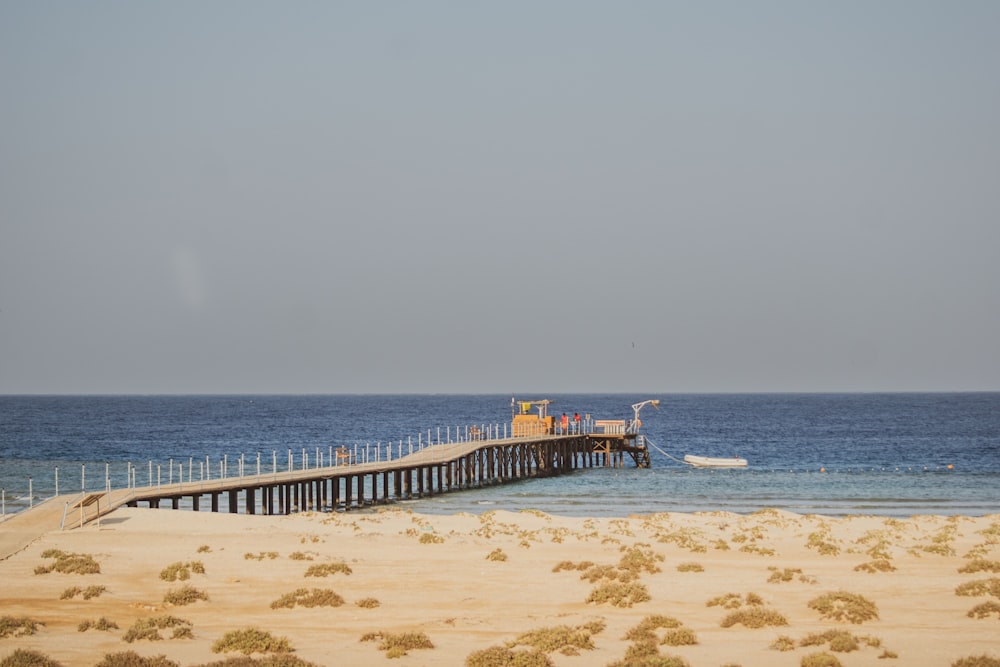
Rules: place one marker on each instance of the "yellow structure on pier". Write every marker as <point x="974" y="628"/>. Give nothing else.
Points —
<point x="525" y="423"/>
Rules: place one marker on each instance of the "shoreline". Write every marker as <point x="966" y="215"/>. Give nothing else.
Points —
<point x="473" y="582"/>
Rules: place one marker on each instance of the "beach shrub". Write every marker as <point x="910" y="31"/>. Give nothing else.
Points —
<point x="843" y="606"/>
<point x="184" y="595"/>
<point x="302" y="597"/>
<point x="149" y="629"/>
<point x="326" y="569"/>
<point x="68" y="563"/>
<point x="501" y="656"/>
<point x="570" y="565"/>
<point x="298" y="555"/>
<point x="820" y="660"/>
<point x="690" y="567"/>
<point x="783" y="643"/>
<point x="840" y="641"/>
<point x="649" y="625"/>
<point x="619" y="594"/>
<point x="497" y="555"/>
<point x="638" y="560"/>
<point x="727" y="601"/>
<point x="270" y="555"/>
<point x="272" y="660"/>
<point x="431" y="538"/>
<point x="251" y="640"/>
<point x="398" y="645"/>
<point x="28" y="658"/>
<point x="977" y="661"/>
<point x="985" y="610"/>
<point x="102" y="624"/>
<point x="754" y="618"/>
<point x="14" y="626"/>
<point x="181" y="571"/>
<point x="819" y="541"/>
<point x="980" y="565"/>
<point x="979" y="588"/>
<point x="785" y="575"/>
<point x="133" y="659"/>
<point x="204" y="549"/>
<point x="680" y="637"/>
<point x="632" y="659"/>
<point x="563" y="638"/>
<point x="877" y="565"/>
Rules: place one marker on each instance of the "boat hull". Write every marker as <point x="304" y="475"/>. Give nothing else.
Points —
<point x="714" y="462"/>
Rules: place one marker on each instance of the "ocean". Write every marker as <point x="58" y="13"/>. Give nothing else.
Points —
<point x="834" y="454"/>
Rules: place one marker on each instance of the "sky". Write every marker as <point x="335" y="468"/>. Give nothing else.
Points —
<point x="499" y="197"/>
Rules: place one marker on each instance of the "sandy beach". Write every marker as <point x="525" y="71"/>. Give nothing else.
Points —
<point x="484" y="589"/>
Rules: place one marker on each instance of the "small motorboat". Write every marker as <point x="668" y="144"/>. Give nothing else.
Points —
<point x="714" y="462"/>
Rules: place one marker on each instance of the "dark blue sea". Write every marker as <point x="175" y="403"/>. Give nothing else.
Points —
<point x="835" y="454"/>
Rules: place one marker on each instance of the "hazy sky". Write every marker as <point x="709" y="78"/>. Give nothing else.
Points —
<point x="238" y="196"/>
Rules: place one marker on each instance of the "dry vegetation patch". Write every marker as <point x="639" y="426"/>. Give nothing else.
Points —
<point x="979" y="588"/>
<point x="28" y="658"/>
<point x="149" y="629"/>
<point x="68" y="563"/>
<point x="103" y="624"/>
<point x="619" y="594"/>
<point x="303" y="597"/>
<point x="820" y="660"/>
<point x="251" y="640"/>
<point x="181" y="571"/>
<point x="88" y="593"/>
<point x="326" y="569"/>
<point x="18" y="626"/>
<point x="977" y="661"/>
<point x="980" y="565"/>
<point x="844" y="606"/>
<point x="184" y="595"/>
<point x="985" y="610"/>
<point x="754" y="618"/>
<point x="501" y="656"/>
<point x="399" y="644"/>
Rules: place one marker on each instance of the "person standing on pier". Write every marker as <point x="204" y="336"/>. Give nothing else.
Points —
<point x="565" y="423"/>
<point x="576" y="421"/>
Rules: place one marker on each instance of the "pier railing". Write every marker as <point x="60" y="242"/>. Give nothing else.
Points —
<point x="194" y="470"/>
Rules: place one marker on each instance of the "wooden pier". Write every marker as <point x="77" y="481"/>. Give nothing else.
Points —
<point x="433" y="470"/>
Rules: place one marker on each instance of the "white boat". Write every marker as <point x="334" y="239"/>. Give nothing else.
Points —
<point x="714" y="462"/>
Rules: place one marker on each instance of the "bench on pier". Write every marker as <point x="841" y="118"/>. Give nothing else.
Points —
<point x="475" y="433"/>
<point x="343" y="455"/>
<point x="615" y="426"/>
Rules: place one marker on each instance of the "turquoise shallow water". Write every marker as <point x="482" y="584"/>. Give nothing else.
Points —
<point x="834" y="454"/>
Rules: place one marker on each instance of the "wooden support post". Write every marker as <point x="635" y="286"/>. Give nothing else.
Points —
<point x="251" y="500"/>
<point x="196" y="502"/>
<point x="234" y="501"/>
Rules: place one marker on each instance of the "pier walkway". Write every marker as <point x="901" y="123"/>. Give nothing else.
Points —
<point x="432" y="470"/>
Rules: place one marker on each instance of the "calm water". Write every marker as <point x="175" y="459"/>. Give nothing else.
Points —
<point x="887" y="454"/>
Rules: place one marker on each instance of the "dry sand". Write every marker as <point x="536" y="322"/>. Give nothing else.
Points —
<point x="432" y="574"/>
